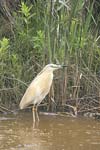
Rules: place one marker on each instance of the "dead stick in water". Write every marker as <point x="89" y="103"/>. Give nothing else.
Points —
<point x="2" y="107"/>
<point x="2" y="110"/>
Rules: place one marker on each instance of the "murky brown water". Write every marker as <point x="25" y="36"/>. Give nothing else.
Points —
<point x="52" y="133"/>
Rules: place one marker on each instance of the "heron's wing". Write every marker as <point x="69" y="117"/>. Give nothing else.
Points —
<point x="34" y="94"/>
<point x="28" y="97"/>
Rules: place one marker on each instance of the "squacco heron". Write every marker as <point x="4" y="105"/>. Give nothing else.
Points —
<point x="38" y="89"/>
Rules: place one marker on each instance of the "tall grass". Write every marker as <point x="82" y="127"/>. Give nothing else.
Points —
<point x="53" y="32"/>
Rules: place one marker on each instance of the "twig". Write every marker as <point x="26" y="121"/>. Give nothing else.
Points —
<point x="2" y="107"/>
<point x="6" y="89"/>
<point x="16" y="80"/>
<point x="2" y="110"/>
<point x="89" y="109"/>
<point x="73" y="107"/>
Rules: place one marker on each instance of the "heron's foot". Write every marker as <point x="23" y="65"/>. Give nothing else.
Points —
<point x="35" y="125"/>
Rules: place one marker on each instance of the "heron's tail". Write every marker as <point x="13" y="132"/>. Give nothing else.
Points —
<point x="21" y="106"/>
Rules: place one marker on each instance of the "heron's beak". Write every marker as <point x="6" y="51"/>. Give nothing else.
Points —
<point x="64" y="66"/>
<point x="61" y="66"/>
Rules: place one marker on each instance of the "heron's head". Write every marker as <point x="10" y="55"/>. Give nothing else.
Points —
<point x="52" y="67"/>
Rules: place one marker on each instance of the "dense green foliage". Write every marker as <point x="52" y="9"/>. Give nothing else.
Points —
<point x="51" y="32"/>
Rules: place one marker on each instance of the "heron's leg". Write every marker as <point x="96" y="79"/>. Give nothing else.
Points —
<point x="37" y="113"/>
<point x="33" y="110"/>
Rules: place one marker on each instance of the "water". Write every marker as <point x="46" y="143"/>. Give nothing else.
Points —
<point x="52" y="133"/>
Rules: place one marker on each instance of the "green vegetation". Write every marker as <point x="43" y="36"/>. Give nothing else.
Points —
<point x="65" y="32"/>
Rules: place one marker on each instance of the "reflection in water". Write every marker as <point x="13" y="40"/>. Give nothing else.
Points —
<point x="52" y="133"/>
